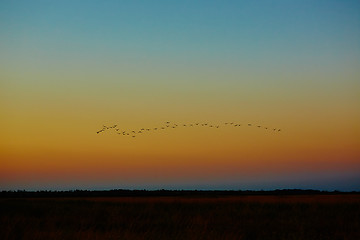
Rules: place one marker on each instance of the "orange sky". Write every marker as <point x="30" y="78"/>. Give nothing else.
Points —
<point x="67" y="71"/>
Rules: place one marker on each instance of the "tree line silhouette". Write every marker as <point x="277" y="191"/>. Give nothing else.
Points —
<point x="163" y="193"/>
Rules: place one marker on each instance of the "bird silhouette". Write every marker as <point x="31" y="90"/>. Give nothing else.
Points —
<point x="173" y="125"/>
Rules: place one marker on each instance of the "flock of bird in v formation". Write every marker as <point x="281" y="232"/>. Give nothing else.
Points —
<point x="169" y="125"/>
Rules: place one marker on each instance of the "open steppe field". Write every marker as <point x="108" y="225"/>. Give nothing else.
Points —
<point x="191" y="217"/>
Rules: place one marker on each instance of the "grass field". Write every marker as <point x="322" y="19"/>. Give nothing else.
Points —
<point x="232" y="217"/>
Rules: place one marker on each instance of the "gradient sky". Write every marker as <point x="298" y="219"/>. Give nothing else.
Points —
<point x="68" y="67"/>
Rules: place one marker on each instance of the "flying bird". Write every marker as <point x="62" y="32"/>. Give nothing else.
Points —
<point x="132" y="133"/>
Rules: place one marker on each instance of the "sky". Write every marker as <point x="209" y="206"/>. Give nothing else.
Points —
<point x="69" y="67"/>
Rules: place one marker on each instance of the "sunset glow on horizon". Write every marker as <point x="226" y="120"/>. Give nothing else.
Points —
<point x="68" y="68"/>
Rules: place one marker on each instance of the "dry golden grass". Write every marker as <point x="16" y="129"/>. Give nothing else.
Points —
<point x="239" y="217"/>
